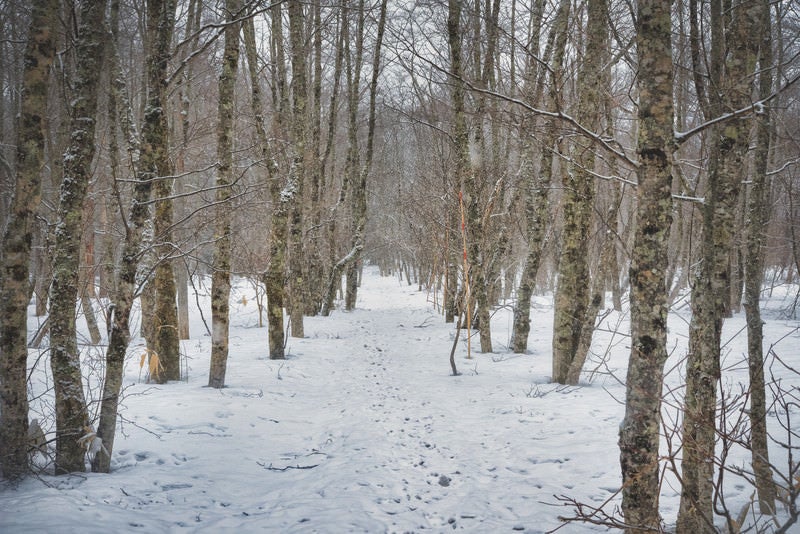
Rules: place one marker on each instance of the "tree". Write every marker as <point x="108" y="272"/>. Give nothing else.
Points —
<point x="757" y="218"/>
<point x="165" y="313"/>
<point x="153" y="150"/>
<point x="15" y="287"/>
<point x="221" y="275"/>
<point x="537" y="181"/>
<point x="732" y="63"/>
<point x="360" y="189"/>
<point x="275" y="276"/>
<point x="459" y="135"/>
<point x="71" y="414"/>
<point x="574" y="317"/>
<point x="639" y="431"/>
<point x="299" y="163"/>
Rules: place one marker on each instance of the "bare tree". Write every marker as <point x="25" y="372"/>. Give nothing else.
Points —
<point x="537" y="181"/>
<point x="757" y="217"/>
<point x="299" y="164"/>
<point x="221" y="275"/>
<point x="275" y="276"/>
<point x="15" y="290"/>
<point x="153" y="150"/>
<point x="574" y="316"/>
<point x="71" y="414"/>
<point x="165" y="313"/>
<point x="730" y="74"/>
<point x="639" y="431"/>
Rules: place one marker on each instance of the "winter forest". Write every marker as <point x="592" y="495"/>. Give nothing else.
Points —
<point x="481" y="265"/>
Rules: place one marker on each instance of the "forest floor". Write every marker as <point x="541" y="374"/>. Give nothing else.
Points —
<point x="364" y="429"/>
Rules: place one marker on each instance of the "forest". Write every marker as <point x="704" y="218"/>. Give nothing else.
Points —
<point x="621" y="157"/>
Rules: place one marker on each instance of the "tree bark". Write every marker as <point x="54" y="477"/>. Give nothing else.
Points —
<point x="360" y="190"/>
<point x="537" y="181"/>
<point x="14" y="281"/>
<point x="571" y="304"/>
<point x="275" y="275"/>
<point x="221" y="275"/>
<point x="639" y="431"/>
<point x="756" y="225"/>
<point x="731" y="65"/>
<point x="459" y="135"/>
<point x="71" y="413"/>
<point x="153" y="149"/>
<point x="166" y="308"/>
<point x="297" y="172"/>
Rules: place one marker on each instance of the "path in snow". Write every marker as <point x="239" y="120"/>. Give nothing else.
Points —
<point x="361" y="429"/>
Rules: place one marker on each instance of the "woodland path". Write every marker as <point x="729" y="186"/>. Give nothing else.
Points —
<point x="361" y="429"/>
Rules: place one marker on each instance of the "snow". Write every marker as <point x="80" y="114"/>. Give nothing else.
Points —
<point x="363" y="429"/>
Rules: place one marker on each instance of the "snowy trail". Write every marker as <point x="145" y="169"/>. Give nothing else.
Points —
<point x="361" y="429"/>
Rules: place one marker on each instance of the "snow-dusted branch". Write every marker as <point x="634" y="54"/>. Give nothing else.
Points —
<point x="756" y="107"/>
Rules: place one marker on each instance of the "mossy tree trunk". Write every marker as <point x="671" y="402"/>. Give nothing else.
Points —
<point x="459" y="133"/>
<point x="538" y="181"/>
<point x="15" y="287"/>
<point x="221" y="274"/>
<point x="732" y="64"/>
<point x="756" y="225"/>
<point x="275" y="275"/>
<point x="71" y="413"/>
<point x="152" y="149"/>
<point x="167" y="339"/>
<point x="640" y="428"/>
<point x="297" y="173"/>
<point x="571" y="305"/>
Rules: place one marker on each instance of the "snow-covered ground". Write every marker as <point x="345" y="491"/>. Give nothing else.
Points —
<point x="363" y="429"/>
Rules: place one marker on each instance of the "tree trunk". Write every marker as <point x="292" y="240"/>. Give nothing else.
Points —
<point x="537" y="181"/>
<point x="86" y="280"/>
<point x="572" y="305"/>
<point x="731" y="64"/>
<point x="274" y="278"/>
<point x="221" y="276"/>
<point x="185" y="95"/>
<point x="153" y="149"/>
<point x="639" y="431"/>
<point x="16" y="258"/>
<point x="360" y="189"/>
<point x="756" y="225"/>
<point x="166" y="308"/>
<point x="476" y="180"/>
<point x="71" y="413"/>
<point x="297" y="172"/>
<point x="182" y="286"/>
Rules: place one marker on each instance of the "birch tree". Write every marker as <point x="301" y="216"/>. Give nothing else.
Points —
<point x="15" y="287"/>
